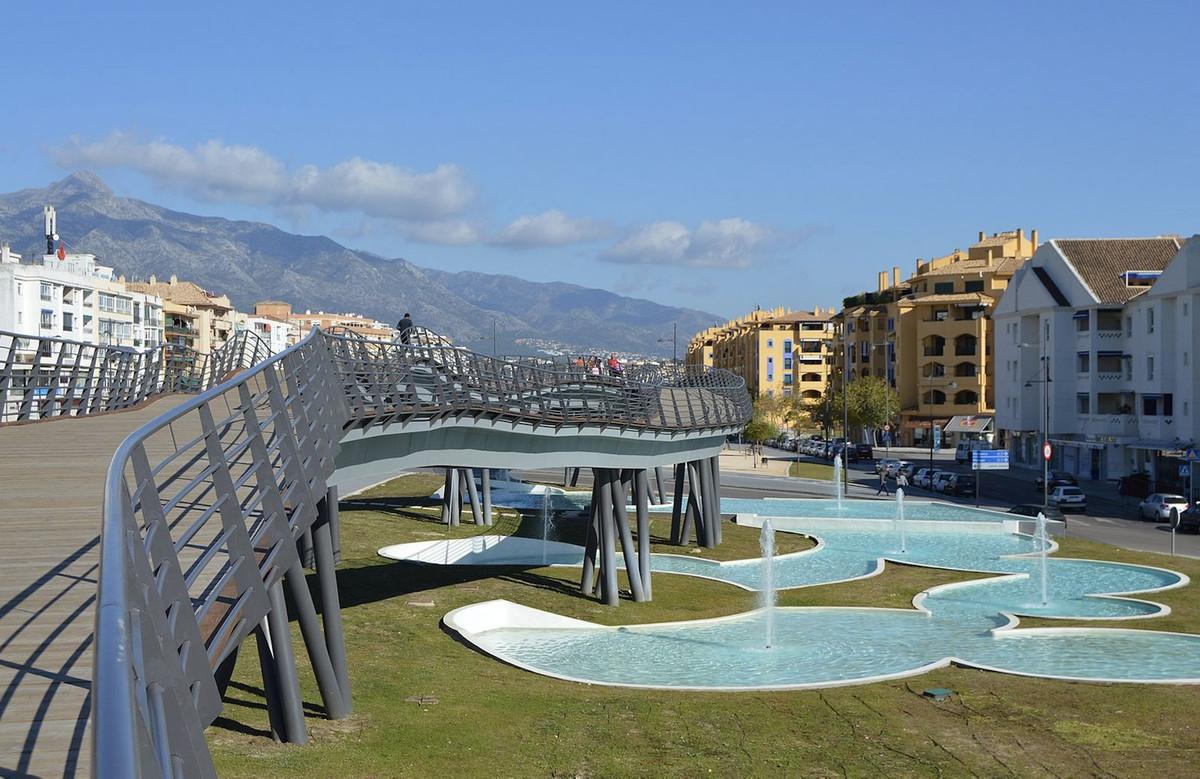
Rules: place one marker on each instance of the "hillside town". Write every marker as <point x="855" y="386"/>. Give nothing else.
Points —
<point x="71" y="295"/>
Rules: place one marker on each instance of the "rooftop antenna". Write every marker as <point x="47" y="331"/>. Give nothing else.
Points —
<point x="51" y="219"/>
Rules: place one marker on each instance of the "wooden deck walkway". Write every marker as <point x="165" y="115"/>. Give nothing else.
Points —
<point x="51" y="483"/>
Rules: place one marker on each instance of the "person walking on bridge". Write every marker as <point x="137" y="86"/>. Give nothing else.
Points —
<point x="405" y="327"/>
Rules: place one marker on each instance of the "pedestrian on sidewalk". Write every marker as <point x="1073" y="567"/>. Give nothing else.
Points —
<point x="883" y="485"/>
<point x="901" y="480"/>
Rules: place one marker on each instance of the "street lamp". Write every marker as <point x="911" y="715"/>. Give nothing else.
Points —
<point x="887" y="400"/>
<point x="1045" y="382"/>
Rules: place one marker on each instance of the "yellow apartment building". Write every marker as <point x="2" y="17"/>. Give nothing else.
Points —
<point x="930" y="336"/>
<point x="194" y="317"/>
<point x="779" y="353"/>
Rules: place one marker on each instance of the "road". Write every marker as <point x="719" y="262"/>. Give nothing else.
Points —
<point x="1109" y="520"/>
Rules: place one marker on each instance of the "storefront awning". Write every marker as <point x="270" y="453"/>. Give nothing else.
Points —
<point x="971" y="423"/>
<point x="1058" y="442"/>
<point x="1174" y="445"/>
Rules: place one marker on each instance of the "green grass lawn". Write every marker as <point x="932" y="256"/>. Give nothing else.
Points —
<point x="810" y="470"/>
<point x="428" y="705"/>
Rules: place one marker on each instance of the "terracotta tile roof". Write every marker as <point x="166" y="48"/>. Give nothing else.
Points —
<point x="184" y="293"/>
<point x="977" y="298"/>
<point x="1101" y="261"/>
<point x="1002" y="266"/>
<point x="800" y="316"/>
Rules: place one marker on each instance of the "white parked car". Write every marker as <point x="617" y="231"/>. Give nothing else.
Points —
<point x="1158" y="506"/>
<point x="894" y="467"/>
<point x="1068" y="499"/>
<point x="937" y="482"/>
<point x="886" y="465"/>
<point x="921" y="477"/>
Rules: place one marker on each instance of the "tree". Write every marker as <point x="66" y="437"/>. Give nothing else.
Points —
<point x="872" y="403"/>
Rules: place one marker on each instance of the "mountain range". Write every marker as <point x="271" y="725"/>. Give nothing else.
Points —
<point x="253" y="261"/>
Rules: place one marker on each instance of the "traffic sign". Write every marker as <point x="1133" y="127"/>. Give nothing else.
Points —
<point x="1192" y="456"/>
<point x="1185" y="471"/>
<point x="989" y="459"/>
<point x="1046" y="451"/>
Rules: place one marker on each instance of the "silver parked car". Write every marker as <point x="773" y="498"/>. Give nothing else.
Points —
<point x="1158" y="506"/>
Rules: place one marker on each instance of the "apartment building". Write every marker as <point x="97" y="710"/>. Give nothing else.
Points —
<point x="1100" y="336"/>
<point x="780" y="353"/>
<point x="277" y="334"/>
<point x="70" y="295"/>
<point x="365" y="326"/>
<point x="930" y="337"/>
<point x="195" y="317"/>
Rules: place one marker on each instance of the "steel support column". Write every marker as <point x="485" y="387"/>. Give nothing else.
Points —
<point x="621" y="517"/>
<point x="280" y="641"/>
<point x="641" y="498"/>
<point x="331" y="609"/>
<point x="677" y="508"/>
<point x="468" y="477"/>
<point x="486" y="484"/>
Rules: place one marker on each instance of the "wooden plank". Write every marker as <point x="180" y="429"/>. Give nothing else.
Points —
<point x="52" y="476"/>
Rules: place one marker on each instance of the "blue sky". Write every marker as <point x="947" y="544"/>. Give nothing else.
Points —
<point x="717" y="156"/>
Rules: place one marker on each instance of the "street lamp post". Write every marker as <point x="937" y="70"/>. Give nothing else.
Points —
<point x="887" y="400"/>
<point x="1045" y="382"/>
<point x="674" y="343"/>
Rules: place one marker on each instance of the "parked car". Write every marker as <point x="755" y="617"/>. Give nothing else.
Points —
<point x="937" y="482"/>
<point x="864" y="451"/>
<point x="1033" y="509"/>
<point x="921" y="477"/>
<point x="1066" y="497"/>
<point x="1057" y="479"/>
<point x="881" y="466"/>
<point x="1158" y="506"/>
<point x="894" y="468"/>
<point x="908" y="469"/>
<point x="960" y="484"/>
<point x="1187" y="520"/>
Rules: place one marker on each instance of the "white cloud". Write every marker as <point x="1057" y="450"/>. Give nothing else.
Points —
<point x="449" y="232"/>
<point x="726" y="243"/>
<point x="216" y="171"/>
<point x="550" y="228"/>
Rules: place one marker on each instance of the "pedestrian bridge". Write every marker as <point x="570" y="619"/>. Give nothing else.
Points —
<point x="150" y="531"/>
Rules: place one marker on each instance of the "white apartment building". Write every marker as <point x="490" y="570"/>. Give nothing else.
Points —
<point x="278" y="334"/>
<point x="1112" y="324"/>
<point x="71" y="296"/>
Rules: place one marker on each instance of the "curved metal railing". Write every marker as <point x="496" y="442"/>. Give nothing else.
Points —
<point x="43" y="377"/>
<point x="207" y="507"/>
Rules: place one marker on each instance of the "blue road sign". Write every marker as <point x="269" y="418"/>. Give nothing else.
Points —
<point x="1192" y="456"/>
<point x="989" y="459"/>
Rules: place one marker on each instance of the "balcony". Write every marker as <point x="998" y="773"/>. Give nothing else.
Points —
<point x="173" y="328"/>
<point x="1108" y="335"/>
<point x="1109" y="424"/>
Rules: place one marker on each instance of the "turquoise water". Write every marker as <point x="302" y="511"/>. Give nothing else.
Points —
<point x="827" y="646"/>
<point x="858" y="509"/>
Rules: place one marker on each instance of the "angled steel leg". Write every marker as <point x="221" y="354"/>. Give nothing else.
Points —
<point x="331" y="609"/>
<point x="715" y="470"/>
<point x="658" y="480"/>
<point x="641" y="495"/>
<point x="621" y="517"/>
<point x="336" y="706"/>
<point x="592" y="540"/>
<point x="709" y="504"/>
<point x="270" y="678"/>
<point x="486" y="483"/>
<point x="608" y="537"/>
<point x="468" y="478"/>
<point x="290" y="703"/>
<point x="677" y="508"/>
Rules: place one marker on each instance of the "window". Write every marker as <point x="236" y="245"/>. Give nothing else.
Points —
<point x="1083" y="323"/>
<point x="973" y="286"/>
<point x="787" y="363"/>
<point x="1149" y="320"/>
<point x="1129" y="326"/>
<point x="770" y="369"/>
<point x="47" y="319"/>
<point x="770" y="343"/>
<point x="1149" y="367"/>
<point x="1168" y="405"/>
<point x="1185" y="408"/>
<point x="68" y="321"/>
<point x="1185" y="309"/>
<point x="1185" y="359"/>
<point x="1083" y="404"/>
<point x="1149" y="405"/>
<point x="114" y="304"/>
<point x="891" y="323"/>
<point x="787" y="379"/>
<point x="1083" y="362"/>
<point x="787" y="346"/>
<point x="47" y="291"/>
<point x="943" y="288"/>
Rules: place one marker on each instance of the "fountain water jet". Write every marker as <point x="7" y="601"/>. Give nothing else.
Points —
<point x="837" y="481"/>
<point x="545" y="523"/>
<point x="900" y="520"/>
<point x="766" y="543"/>
<point x="1043" y="546"/>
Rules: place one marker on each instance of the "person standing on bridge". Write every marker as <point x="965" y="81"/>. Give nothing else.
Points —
<point x="405" y="327"/>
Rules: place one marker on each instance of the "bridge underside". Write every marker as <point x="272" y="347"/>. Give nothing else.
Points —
<point x="368" y="457"/>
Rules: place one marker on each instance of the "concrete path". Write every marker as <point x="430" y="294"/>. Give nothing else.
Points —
<point x="51" y="485"/>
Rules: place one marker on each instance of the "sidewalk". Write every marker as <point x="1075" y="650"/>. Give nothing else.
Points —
<point x="742" y="462"/>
